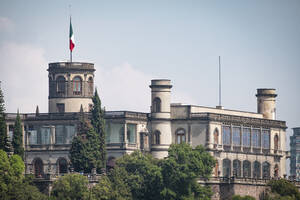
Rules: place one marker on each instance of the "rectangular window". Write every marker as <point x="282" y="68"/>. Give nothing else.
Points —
<point x="246" y="137"/>
<point x="256" y="138"/>
<point x="10" y="132"/>
<point x="59" y="134"/>
<point x="70" y="131"/>
<point x="131" y="133"/>
<point x="45" y="135"/>
<point x="266" y="139"/>
<point x="226" y="135"/>
<point x="114" y="133"/>
<point x="32" y="136"/>
<point x="236" y="136"/>
<point x="60" y="107"/>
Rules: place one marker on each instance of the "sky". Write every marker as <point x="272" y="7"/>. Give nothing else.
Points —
<point x="131" y="42"/>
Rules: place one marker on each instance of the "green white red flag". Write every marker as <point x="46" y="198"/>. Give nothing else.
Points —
<point x="72" y="42"/>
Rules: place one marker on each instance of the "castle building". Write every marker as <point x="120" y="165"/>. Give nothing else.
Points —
<point x="245" y="144"/>
<point x="295" y="154"/>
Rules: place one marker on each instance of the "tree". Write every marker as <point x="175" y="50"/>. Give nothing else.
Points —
<point x="103" y="190"/>
<point x="181" y="170"/>
<point x="85" y="149"/>
<point x="98" y="123"/>
<point x="281" y="190"/>
<point x="238" y="197"/>
<point x="13" y="184"/>
<point x="3" y="130"/>
<point x="17" y="140"/>
<point x="71" y="187"/>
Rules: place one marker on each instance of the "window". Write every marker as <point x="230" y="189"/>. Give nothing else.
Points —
<point x="180" y="136"/>
<point x="59" y="134"/>
<point x="266" y="170"/>
<point x="156" y="137"/>
<point x="226" y="168"/>
<point x="60" y="84"/>
<point x="266" y="139"/>
<point x="10" y="132"/>
<point x="247" y="169"/>
<point x="236" y="134"/>
<point x="143" y="141"/>
<point x="114" y="133"/>
<point x="32" y="134"/>
<point x="216" y="171"/>
<point x="157" y="105"/>
<point x="216" y="137"/>
<point x="256" y="169"/>
<point x="77" y="86"/>
<point x="237" y="168"/>
<point x="60" y="107"/>
<point x="246" y="137"/>
<point x="256" y="138"/>
<point x="62" y="166"/>
<point x="276" y="142"/>
<point x="91" y="85"/>
<point x="226" y="135"/>
<point x="45" y="135"/>
<point x="131" y="132"/>
<point x="38" y="168"/>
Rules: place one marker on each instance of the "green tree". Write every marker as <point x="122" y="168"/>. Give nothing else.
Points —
<point x="103" y="190"/>
<point x="238" y="197"/>
<point x="71" y="187"/>
<point x="85" y="149"/>
<point x="281" y="190"/>
<point x="17" y="140"/>
<point x="3" y="131"/>
<point x="98" y="123"/>
<point x="181" y="170"/>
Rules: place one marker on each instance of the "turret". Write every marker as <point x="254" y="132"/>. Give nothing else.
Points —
<point x="70" y="86"/>
<point x="266" y="103"/>
<point x="160" y="117"/>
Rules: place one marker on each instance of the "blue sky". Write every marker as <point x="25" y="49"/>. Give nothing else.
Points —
<point x="132" y="42"/>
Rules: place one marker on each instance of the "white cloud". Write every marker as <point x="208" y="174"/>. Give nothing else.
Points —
<point x="6" y="25"/>
<point x="24" y="77"/>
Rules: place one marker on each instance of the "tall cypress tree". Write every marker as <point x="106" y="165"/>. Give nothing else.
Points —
<point x="3" y="130"/>
<point x="17" y="140"/>
<point x="99" y="125"/>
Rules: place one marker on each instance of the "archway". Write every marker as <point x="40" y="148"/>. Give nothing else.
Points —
<point x="38" y="168"/>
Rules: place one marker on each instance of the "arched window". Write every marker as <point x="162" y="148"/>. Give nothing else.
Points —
<point x="62" y="166"/>
<point x="216" y="137"/>
<point x="156" y="105"/>
<point x="266" y="170"/>
<point x="226" y="168"/>
<point x="60" y="84"/>
<point x="237" y="168"/>
<point x="276" y="142"/>
<point x="256" y="169"/>
<point x="91" y="85"/>
<point x="216" y="171"/>
<point x="180" y="136"/>
<point x="77" y="85"/>
<point x="247" y="169"/>
<point x="276" y="171"/>
<point x="156" y="137"/>
<point x="38" y="168"/>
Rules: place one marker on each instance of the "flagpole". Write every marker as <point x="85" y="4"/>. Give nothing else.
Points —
<point x="220" y="103"/>
<point x="72" y="31"/>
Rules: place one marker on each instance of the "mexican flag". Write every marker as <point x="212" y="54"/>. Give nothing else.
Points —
<point x="72" y="42"/>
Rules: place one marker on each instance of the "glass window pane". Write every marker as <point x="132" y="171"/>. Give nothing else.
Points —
<point x="45" y="135"/>
<point x="246" y="137"/>
<point x="255" y="137"/>
<point x="32" y="137"/>
<point x="131" y="132"/>
<point x="266" y="139"/>
<point x="59" y="134"/>
<point x="236" y="134"/>
<point x="226" y="135"/>
<point x="70" y="131"/>
<point x="114" y="132"/>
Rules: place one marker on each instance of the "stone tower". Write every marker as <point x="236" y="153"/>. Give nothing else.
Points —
<point x="160" y="119"/>
<point x="71" y="85"/>
<point x="266" y="103"/>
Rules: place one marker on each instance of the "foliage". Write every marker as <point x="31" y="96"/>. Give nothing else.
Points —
<point x="3" y="133"/>
<point x="121" y="189"/>
<point x="99" y="125"/>
<point x="103" y="190"/>
<point x="238" y="197"/>
<point x="85" y="149"/>
<point x="13" y="184"/>
<point x="282" y="189"/>
<point x="181" y="170"/>
<point x="17" y="140"/>
<point x="70" y="187"/>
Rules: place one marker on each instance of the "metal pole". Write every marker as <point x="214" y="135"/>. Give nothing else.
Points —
<point x="220" y="102"/>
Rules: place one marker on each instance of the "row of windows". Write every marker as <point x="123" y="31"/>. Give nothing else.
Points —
<point x="259" y="170"/>
<point x="76" y="85"/>
<point x="180" y="136"/>
<point x="38" y="165"/>
<point x="247" y="137"/>
<point x="115" y="133"/>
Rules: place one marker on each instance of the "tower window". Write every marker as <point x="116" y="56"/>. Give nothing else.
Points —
<point x="156" y="137"/>
<point x="60" y="107"/>
<point x="77" y="86"/>
<point x="91" y="85"/>
<point x="180" y="136"/>
<point x="157" y="105"/>
<point x="60" y="84"/>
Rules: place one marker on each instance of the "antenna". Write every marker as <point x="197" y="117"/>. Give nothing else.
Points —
<point x="220" y="85"/>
